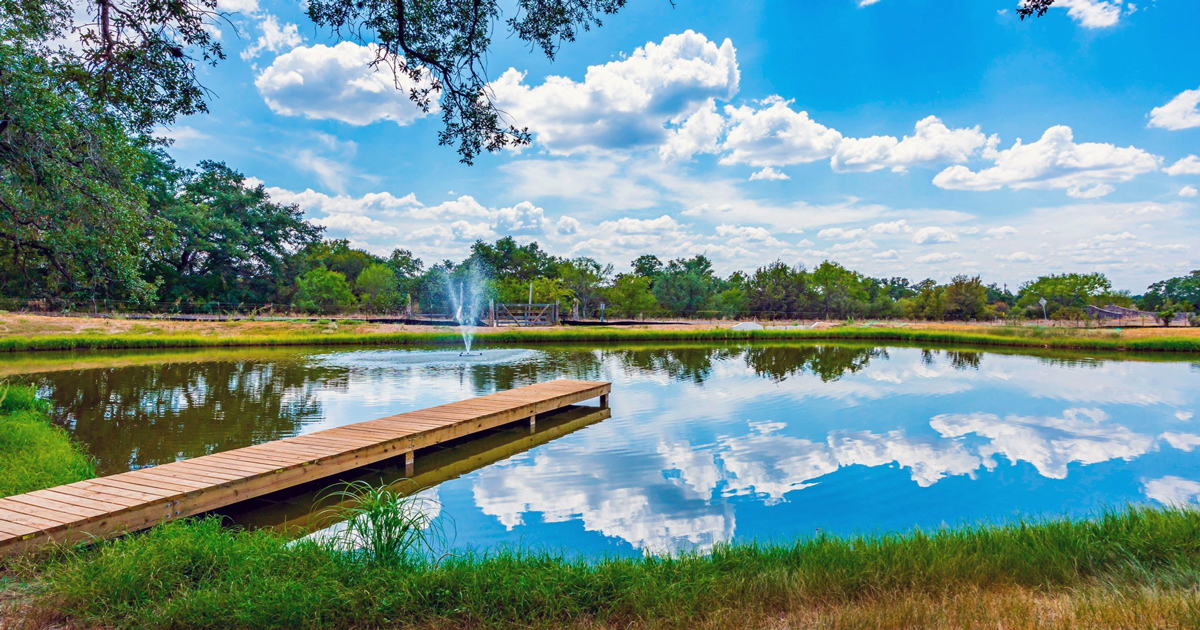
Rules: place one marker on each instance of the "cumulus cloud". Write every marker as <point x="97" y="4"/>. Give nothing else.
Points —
<point x="890" y="254"/>
<point x="1189" y="165"/>
<point x="336" y="83"/>
<point x="1018" y="257"/>
<point x="893" y="227"/>
<point x="274" y="38"/>
<point x="1182" y="112"/>
<point x="1172" y="490"/>
<point x="938" y="257"/>
<point x="1086" y="170"/>
<point x="932" y="142"/>
<point x="627" y="103"/>
<point x="1003" y="231"/>
<point x="932" y="235"/>
<point x="1188" y="191"/>
<point x="698" y="132"/>
<point x="776" y="135"/>
<point x="768" y="173"/>
<point x="1094" y="13"/>
<point x="838" y="232"/>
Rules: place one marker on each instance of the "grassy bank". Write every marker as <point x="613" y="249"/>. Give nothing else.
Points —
<point x="35" y="454"/>
<point x="1137" y="568"/>
<point x="1000" y="337"/>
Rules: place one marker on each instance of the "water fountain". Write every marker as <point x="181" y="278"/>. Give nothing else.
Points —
<point x="467" y="300"/>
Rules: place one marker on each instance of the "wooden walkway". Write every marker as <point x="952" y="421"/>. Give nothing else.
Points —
<point x="114" y="505"/>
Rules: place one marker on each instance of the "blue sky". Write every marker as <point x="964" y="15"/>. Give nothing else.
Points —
<point x="882" y="135"/>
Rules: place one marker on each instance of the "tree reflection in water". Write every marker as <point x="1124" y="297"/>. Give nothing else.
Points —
<point x="135" y="416"/>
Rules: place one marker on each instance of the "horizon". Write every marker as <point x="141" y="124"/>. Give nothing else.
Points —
<point x="894" y="138"/>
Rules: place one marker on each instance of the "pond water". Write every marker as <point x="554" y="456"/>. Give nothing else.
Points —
<point x="702" y="444"/>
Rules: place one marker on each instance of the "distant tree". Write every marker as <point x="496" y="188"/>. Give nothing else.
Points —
<point x="685" y="285"/>
<point x="1183" y="290"/>
<point x="228" y="242"/>
<point x="378" y="288"/>
<point x="1062" y="290"/>
<point x="630" y="296"/>
<point x="929" y="303"/>
<point x="647" y="265"/>
<point x="838" y="289"/>
<point x="585" y="278"/>
<point x="323" y="291"/>
<point x="778" y="290"/>
<point x="966" y="298"/>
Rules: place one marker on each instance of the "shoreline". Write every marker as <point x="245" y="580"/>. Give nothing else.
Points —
<point x="1055" y="338"/>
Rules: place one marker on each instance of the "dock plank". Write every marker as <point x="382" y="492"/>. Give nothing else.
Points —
<point x="129" y="501"/>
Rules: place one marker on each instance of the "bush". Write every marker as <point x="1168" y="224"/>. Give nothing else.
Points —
<point x="323" y="291"/>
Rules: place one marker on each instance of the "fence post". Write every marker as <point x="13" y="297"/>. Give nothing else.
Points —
<point x="555" y="312"/>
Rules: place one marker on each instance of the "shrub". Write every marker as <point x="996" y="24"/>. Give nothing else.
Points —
<point x="323" y="291"/>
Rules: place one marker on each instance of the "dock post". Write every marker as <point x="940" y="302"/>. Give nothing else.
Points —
<point x="409" y="462"/>
<point x="604" y="401"/>
<point x="533" y="423"/>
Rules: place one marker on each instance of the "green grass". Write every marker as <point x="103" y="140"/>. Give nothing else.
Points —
<point x="35" y="454"/>
<point x="199" y="574"/>
<point x="1002" y="337"/>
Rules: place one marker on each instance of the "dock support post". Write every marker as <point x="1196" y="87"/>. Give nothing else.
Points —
<point x="409" y="462"/>
<point x="604" y="401"/>
<point x="532" y="423"/>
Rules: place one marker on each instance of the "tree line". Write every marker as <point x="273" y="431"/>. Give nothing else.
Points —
<point x="210" y="241"/>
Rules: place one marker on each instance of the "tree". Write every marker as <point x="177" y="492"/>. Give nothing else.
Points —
<point x="838" y="288"/>
<point x="929" y="303"/>
<point x="377" y="288"/>
<point x="72" y="218"/>
<point x="966" y="298"/>
<point x="1183" y="290"/>
<point x="630" y="296"/>
<point x="585" y="278"/>
<point x="439" y="49"/>
<point x="228" y="242"/>
<point x="1062" y="290"/>
<point x="647" y="266"/>
<point x="685" y="285"/>
<point x="323" y="291"/>
<point x="777" y="290"/>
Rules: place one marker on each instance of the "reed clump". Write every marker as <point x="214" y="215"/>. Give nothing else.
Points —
<point x="200" y="574"/>
<point x="35" y="454"/>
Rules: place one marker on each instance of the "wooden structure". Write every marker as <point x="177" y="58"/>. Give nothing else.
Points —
<point x="130" y="501"/>
<point x="525" y="315"/>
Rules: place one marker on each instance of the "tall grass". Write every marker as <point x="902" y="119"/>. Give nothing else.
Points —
<point x="1012" y="337"/>
<point x="35" y="454"/>
<point x="379" y="525"/>
<point x="199" y="574"/>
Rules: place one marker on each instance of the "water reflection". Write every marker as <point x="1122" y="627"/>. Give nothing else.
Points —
<point x="706" y="442"/>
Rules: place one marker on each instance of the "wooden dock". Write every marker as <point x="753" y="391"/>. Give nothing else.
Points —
<point x="130" y="501"/>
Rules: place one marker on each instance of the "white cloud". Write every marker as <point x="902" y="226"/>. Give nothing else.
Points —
<point x="938" y="257"/>
<point x="1003" y="231"/>
<point x="900" y="226"/>
<point x="628" y="225"/>
<point x="523" y="218"/>
<point x="776" y="135"/>
<point x="567" y="226"/>
<point x="932" y="142"/>
<point x="1018" y="257"/>
<point x="854" y="246"/>
<point x="744" y="232"/>
<point x="331" y="173"/>
<point x="838" y="232"/>
<point x="768" y="173"/>
<point x="698" y="132"/>
<point x="248" y="7"/>
<point x="183" y="135"/>
<point x="1055" y="161"/>
<point x="274" y="38"/>
<point x="336" y="83"/>
<point x="1189" y="165"/>
<point x="1188" y="191"/>
<point x="1182" y="112"/>
<point x="1093" y="13"/>
<point x="890" y="254"/>
<point x="626" y="103"/>
<point x="1172" y="490"/>
<point x="932" y="235"/>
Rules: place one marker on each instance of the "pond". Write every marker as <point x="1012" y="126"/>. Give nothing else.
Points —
<point x="702" y="444"/>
